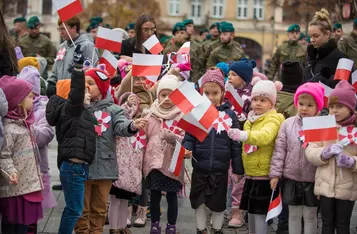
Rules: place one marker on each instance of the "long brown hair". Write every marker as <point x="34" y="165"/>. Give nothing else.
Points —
<point x="142" y="20"/>
<point x="7" y="46"/>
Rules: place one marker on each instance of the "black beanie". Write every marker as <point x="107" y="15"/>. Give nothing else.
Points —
<point x="292" y="74"/>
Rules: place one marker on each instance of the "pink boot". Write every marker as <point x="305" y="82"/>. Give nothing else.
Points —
<point x="237" y="219"/>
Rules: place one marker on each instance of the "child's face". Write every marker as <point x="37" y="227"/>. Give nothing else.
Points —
<point x="340" y="111"/>
<point x="86" y="101"/>
<point x="261" y="105"/>
<point x="306" y="106"/>
<point x="27" y="102"/>
<point x="214" y="93"/>
<point x="93" y="89"/>
<point x="167" y="103"/>
<point x="139" y="81"/>
<point x="235" y="80"/>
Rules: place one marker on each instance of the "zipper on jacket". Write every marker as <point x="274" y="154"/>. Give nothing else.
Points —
<point x="212" y="148"/>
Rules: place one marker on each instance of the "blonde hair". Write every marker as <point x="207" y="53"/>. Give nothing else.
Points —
<point x="322" y="19"/>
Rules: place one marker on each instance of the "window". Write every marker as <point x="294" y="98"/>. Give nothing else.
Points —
<point x="218" y="8"/>
<point x="258" y="9"/>
<point x="174" y="7"/>
<point x="21" y="7"/>
<point x="242" y="11"/>
<point x="196" y="8"/>
<point x="47" y="7"/>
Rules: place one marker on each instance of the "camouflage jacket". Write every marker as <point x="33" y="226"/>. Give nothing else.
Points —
<point x="348" y="46"/>
<point x="225" y="53"/>
<point x="288" y="51"/>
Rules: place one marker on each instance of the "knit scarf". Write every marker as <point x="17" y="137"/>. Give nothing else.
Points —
<point x="162" y="113"/>
<point x="348" y="121"/>
<point x="252" y="117"/>
<point x="16" y="115"/>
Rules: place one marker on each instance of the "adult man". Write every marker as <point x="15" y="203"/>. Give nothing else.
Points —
<point x="130" y="29"/>
<point x="35" y="44"/>
<point x="348" y="44"/>
<point x="20" y="28"/>
<point x="337" y="31"/>
<point x="228" y="50"/>
<point x="203" y="34"/>
<point x="63" y="66"/>
<point x="290" y="50"/>
<point x="190" y="28"/>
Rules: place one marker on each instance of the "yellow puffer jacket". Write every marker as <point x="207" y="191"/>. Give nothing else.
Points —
<point x="261" y="133"/>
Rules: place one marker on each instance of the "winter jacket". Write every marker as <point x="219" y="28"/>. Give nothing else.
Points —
<point x="332" y="181"/>
<point x="261" y="133"/>
<point x="43" y="131"/>
<point x="3" y="112"/>
<point x="289" y="158"/>
<point x="111" y="122"/>
<point x="18" y="156"/>
<point x="327" y="56"/>
<point x="245" y="94"/>
<point x="74" y="124"/>
<point x="63" y="67"/>
<point x="128" y="48"/>
<point x="216" y="151"/>
<point x="285" y="104"/>
<point x="6" y="66"/>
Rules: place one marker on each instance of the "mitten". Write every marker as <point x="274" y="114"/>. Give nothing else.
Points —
<point x="237" y="135"/>
<point x="168" y="136"/>
<point x="78" y="58"/>
<point x="331" y="151"/>
<point x="345" y="161"/>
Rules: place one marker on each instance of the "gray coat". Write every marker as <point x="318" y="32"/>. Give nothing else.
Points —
<point x="105" y="165"/>
<point x="61" y="66"/>
<point x="3" y="112"/>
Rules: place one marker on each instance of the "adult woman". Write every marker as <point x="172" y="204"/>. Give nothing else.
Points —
<point x="145" y="27"/>
<point x="323" y="54"/>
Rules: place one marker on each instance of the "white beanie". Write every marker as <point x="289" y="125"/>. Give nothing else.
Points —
<point x="265" y="88"/>
<point x="169" y="82"/>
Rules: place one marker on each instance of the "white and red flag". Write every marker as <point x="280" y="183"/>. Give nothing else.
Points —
<point x="327" y="92"/>
<point x="205" y="113"/>
<point x="250" y="148"/>
<point x="109" y="39"/>
<point x="354" y="80"/>
<point x="139" y="140"/>
<point x="153" y="45"/>
<point x="185" y="48"/>
<point x="275" y="206"/>
<point x="234" y="98"/>
<point x="186" y="97"/>
<point x="343" y="70"/>
<point x="320" y="128"/>
<point x="111" y="63"/>
<point x="192" y="126"/>
<point x="147" y="64"/>
<point x="223" y="122"/>
<point x="67" y="9"/>
<point x="176" y="164"/>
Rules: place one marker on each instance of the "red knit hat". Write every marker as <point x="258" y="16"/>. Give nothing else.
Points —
<point x="214" y="75"/>
<point x="15" y="90"/>
<point x="101" y="78"/>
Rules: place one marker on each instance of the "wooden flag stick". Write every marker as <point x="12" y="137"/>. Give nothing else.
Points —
<point x="64" y="25"/>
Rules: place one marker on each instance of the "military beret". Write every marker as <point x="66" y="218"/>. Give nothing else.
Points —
<point x="107" y="26"/>
<point x="204" y="30"/>
<point x="294" y="28"/>
<point x="164" y="39"/>
<point x="130" y="26"/>
<point x="96" y="19"/>
<point x="226" y="27"/>
<point x="214" y="25"/>
<point x="178" y="27"/>
<point x="337" y="26"/>
<point x="92" y="25"/>
<point x="187" y="21"/>
<point x="302" y="35"/>
<point x="209" y="36"/>
<point x="19" y="20"/>
<point x="33" y="22"/>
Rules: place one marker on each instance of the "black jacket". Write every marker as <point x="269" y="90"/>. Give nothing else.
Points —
<point x="325" y="57"/>
<point x="128" y="48"/>
<point x="215" y="153"/>
<point x="74" y="124"/>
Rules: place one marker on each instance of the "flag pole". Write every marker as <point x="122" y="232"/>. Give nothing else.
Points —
<point x="150" y="112"/>
<point x="93" y="57"/>
<point x="272" y="195"/>
<point x="64" y="25"/>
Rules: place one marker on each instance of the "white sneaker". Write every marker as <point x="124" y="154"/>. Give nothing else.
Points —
<point x="130" y="214"/>
<point x="140" y="217"/>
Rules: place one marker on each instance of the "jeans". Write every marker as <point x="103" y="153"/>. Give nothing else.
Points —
<point x="172" y="211"/>
<point x="336" y="215"/>
<point x="13" y="228"/>
<point x="73" y="176"/>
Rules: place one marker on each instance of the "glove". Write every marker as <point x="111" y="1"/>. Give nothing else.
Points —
<point x="237" y="135"/>
<point x="184" y="67"/>
<point x="51" y="90"/>
<point x="345" y="161"/>
<point x="78" y="58"/>
<point x="168" y="136"/>
<point x="331" y="151"/>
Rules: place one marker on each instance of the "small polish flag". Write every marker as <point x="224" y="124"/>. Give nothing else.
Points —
<point x="192" y="126"/>
<point x="234" y="98"/>
<point x="109" y="39"/>
<point x="67" y="9"/>
<point x="153" y="45"/>
<point x="275" y="206"/>
<point x="176" y="164"/>
<point x="147" y="64"/>
<point x="152" y="79"/>
<point x="320" y="128"/>
<point x="327" y="93"/>
<point x="110" y="62"/>
<point x="354" y="80"/>
<point x="186" y="97"/>
<point x="250" y="148"/>
<point x="185" y="48"/>
<point x="205" y="113"/>
<point x="343" y="70"/>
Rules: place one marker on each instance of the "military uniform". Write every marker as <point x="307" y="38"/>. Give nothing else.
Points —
<point x="16" y="37"/>
<point x="348" y="46"/>
<point x="225" y="53"/>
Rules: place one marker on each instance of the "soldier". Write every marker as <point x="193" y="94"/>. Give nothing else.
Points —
<point x="190" y="28"/>
<point x="348" y="44"/>
<point x="337" y="31"/>
<point x="20" y="28"/>
<point x="35" y="44"/>
<point x="92" y="30"/>
<point x="290" y="50"/>
<point x="228" y="50"/>
<point x="179" y="38"/>
<point x="130" y="29"/>
<point x="203" y="34"/>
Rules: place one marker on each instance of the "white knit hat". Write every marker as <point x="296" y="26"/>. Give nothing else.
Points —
<point x="169" y="82"/>
<point x="265" y="88"/>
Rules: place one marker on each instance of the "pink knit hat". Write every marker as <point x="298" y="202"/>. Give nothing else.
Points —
<point x="15" y="90"/>
<point x="214" y="75"/>
<point x="344" y="94"/>
<point x="316" y="90"/>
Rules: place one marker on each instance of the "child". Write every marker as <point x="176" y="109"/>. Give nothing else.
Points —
<point x="158" y="155"/>
<point x="290" y="165"/>
<point x="3" y="112"/>
<point x="212" y="159"/>
<point x="336" y="177"/>
<point x="260" y="130"/>
<point x="21" y="195"/>
<point x="76" y="140"/>
<point x="103" y="171"/>
<point x="129" y="171"/>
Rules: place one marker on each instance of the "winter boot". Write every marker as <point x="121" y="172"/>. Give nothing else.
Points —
<point x="155" y="228"/>
<point x="202" y="231"/>
<point x="237" y="219"/>
<point x="140" y="217"/>
<point x="170" y="229"/>
<point x="124" y="231"/>
<point x="130" y="215"/>
<point x="214" y="231"/>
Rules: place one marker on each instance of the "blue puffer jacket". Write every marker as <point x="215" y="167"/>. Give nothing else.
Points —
<point x="217" y="150"/>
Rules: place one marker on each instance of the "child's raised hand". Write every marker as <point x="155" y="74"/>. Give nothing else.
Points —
<point x="139" y="124"/>
<point x="13" y="178"/>
<point x="188" y="154"/>
<point x="274" y="183"/>
<point x="237" y="135"/>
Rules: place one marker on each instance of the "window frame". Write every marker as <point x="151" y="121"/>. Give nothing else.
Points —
<point x="257" y="7"/>
<point x="218" y="4"/>
<point x="242" y="6"/>
<point x="175" y="3"/>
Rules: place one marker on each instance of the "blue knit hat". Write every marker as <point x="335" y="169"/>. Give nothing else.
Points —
<point x="224" y="68"/>
<point x="243" y="68"/>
